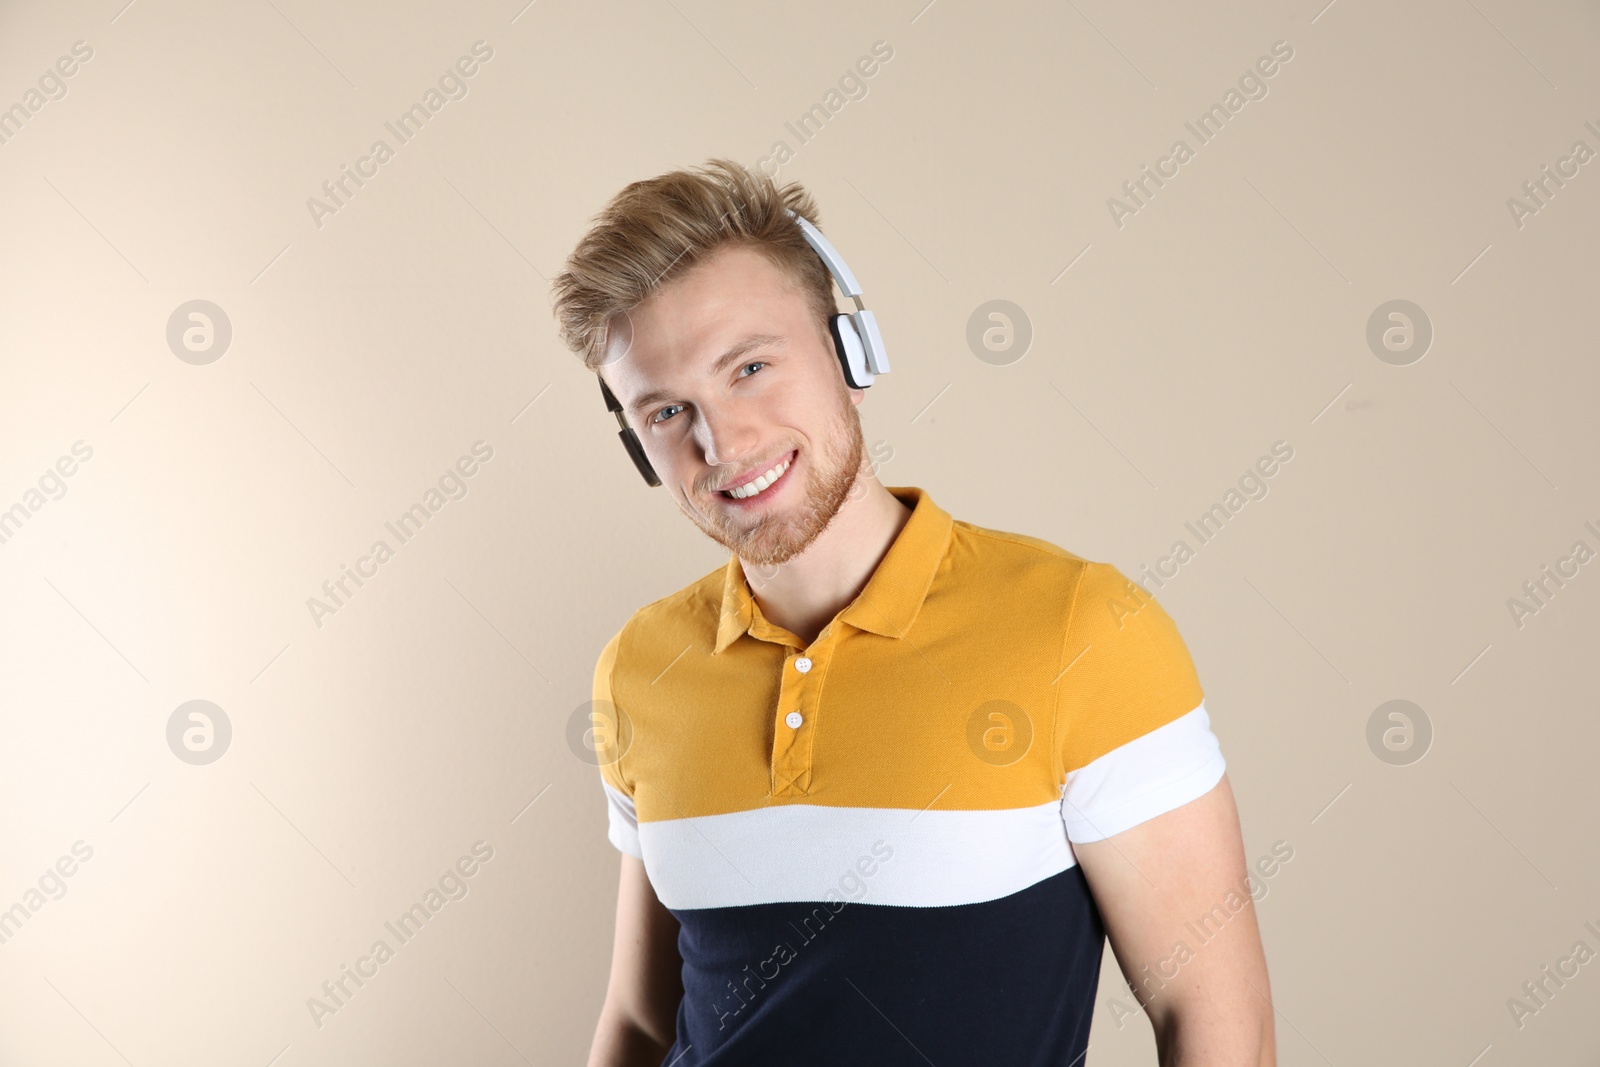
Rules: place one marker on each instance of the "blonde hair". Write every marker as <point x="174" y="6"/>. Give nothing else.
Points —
<point x="654" y="230"/>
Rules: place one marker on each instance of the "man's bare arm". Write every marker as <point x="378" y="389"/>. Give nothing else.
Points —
<point x="639" y="1019"/>
<point x="1210" y="1005"/>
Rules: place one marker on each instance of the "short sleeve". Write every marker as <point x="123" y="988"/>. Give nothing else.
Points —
<point x="1132" y="730"/>
<point x="611" y="737"/>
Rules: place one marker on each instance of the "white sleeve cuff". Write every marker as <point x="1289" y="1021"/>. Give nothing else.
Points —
<point x="622" y="824"/>
<point x="1149" y="776"/>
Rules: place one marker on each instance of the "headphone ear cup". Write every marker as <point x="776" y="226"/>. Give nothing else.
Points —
<point x="852" y="356"/>
<point x="635" y="448"/>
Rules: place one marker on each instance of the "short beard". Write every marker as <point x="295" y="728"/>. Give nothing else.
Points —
<point x="775" y="540"/>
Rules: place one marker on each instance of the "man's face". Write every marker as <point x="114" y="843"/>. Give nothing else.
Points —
<point x="725" y="375"/>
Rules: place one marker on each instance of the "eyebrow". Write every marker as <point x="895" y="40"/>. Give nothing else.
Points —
<point x="740" y="348"/>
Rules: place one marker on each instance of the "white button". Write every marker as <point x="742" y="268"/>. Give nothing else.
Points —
<point x="802" y="664"/>
<point x="794" y="720"/>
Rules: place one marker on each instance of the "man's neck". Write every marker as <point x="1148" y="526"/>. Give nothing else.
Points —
<point x="810" y="589"/>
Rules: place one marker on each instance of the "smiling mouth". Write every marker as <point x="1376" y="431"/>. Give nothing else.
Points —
<point x="758" y="487"/>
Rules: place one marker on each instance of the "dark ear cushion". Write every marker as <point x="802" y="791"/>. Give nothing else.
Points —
<point x="635" y="448"/>
<point x="845" y="342"/>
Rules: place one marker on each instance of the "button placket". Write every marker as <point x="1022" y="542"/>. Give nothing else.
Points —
<point x="791" y="749"/>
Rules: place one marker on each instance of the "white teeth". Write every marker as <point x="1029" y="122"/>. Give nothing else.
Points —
<point x="750" y="489"/>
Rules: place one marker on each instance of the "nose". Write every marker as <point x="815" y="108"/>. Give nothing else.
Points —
<point x="728" y="434"/>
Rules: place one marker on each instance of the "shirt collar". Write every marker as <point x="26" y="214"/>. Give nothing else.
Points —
<point x="892" y="596"/>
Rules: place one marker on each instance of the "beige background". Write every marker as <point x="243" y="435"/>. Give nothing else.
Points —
<point x="371" y="352"/>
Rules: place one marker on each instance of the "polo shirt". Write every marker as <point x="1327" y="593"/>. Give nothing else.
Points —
<point x="867" y="840"/>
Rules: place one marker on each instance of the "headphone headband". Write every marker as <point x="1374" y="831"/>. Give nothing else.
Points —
<point x="866" y="356"/>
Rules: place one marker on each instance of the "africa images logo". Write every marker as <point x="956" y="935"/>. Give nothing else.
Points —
<point x="851" y="886"/>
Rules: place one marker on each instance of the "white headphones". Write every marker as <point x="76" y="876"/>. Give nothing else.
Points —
<point x="855" y="335"/>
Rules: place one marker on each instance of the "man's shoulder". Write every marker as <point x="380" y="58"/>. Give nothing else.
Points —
<point x="677" y="617"/>
<point x="1035" y="567"/>
<point x="1006" y="542"/>
<point x="1018" y="556"/>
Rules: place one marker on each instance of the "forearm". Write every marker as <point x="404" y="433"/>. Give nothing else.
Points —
<point x="619" y="1041"/>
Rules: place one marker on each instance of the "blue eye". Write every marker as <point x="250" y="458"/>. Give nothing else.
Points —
<point x="656" y="419"/>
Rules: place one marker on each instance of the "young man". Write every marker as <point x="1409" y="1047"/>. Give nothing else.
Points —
<point x="885" y="782"/>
